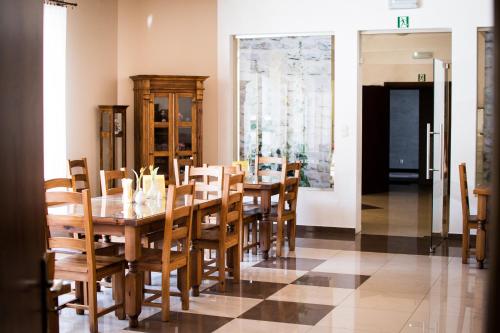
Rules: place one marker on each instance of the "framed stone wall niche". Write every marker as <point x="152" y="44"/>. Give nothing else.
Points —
<point x="484" y="129"/>
<point x="285" y="102"/>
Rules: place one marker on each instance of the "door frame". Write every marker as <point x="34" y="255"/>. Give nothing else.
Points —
<point x="359" y="97"/>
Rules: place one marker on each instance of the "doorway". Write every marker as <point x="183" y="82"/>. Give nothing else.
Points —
<point x="398" y="106"/>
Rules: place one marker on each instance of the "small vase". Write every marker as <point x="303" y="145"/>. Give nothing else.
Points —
<point x="152" y="190"/>
<point x="139" y="197"/>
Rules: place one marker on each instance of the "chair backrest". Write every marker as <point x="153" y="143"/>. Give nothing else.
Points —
<point x="61" y="184"/>
<point x="289" y="187"/>
<point x="79" y="173"/>
<point x="178" y="219"/>
<point x="264" y="165"/>
<point x="109" y="179"/>
<point x="464" y="192"/>
<point x="73" y="223"/>
<point x="207" y="179"/>
<point x="233" y="169"/>
<point x="244" y="165"/>
<point x="179" y="167"/>
<point x="231" y="213"/>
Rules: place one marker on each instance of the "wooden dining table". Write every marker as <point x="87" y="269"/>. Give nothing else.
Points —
<point x="111" y="216"/>
<point x="483" y="192"/>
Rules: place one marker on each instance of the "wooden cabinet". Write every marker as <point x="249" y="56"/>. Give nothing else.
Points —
<point x="167" y="120"/>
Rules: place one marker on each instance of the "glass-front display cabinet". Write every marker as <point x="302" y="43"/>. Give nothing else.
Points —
<point x="113" y="136"/>
<point x="167" y="120"/>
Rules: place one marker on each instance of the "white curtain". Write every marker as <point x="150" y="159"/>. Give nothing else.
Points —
<point x="54" y="91"/>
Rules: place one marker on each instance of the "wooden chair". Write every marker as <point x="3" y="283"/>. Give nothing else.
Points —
<point x="468" y="221"/>
<point x="66" y="185"/>
<point x="107" y="180"/>
<point x="56" y="289"/>
<point x="264" y="166"/>
<point x="83" y="266"/>
<point x="178" y="219"/>
<point x="179" y="167"/>
<point x="226" y="236"/>
<point x="287" y="204"/>
<point x="208" y="180"/>
<point x="79" y="173"/>
<point x="251" y="216"/>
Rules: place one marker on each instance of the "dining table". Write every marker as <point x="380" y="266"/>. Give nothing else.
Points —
<point x="111" y="216"/>
<point x="263" y="187"/>
<point x="483" y="192"/>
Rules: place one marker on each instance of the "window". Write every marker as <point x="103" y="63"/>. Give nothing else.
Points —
<point x="54" y="91"/>
<point x="285" y="103"/>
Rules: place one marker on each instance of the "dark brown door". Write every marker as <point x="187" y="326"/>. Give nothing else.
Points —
<point x="21" y="167"/>
<point x="375" y="155"/>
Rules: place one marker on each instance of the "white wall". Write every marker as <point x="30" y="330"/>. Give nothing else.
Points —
<point x="90" y="78"/>
<point x="180" y="39"/>
<point x="345" y="19"/>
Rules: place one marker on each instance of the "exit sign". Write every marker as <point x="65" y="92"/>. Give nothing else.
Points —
<point x="403" y="22"/>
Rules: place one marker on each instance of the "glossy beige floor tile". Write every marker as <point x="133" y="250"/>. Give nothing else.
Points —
<point x="70" y="322"/>
<point x="311" y="294"/>
<point x="271" y="274"/>
<point x="353" y="262"/>
<point x="371" y="320"/>
<point x="398" y="283"/>
<point x="216" y="305"/>
<point x="325" y="329"/>
<point x="257" y="326"/>
<point x="305" y="252"/>
<point x="383" y="300"/>
<point x="433" y="321"/>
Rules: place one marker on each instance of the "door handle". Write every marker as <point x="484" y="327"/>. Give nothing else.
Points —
<point x="428" y="168"/>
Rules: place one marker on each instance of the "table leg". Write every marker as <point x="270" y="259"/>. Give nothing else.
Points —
<point x="196" y="254"/>
<point x="266" y="224"/>
<point x="481" y="232"/>
<point x="134" y="278"/>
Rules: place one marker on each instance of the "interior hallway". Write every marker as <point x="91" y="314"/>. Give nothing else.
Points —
<point x="403" y="211"/>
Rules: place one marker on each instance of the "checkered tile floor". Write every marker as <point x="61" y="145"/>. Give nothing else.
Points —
<point x="325" y="290"/>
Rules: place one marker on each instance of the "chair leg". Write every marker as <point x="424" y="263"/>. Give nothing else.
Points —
<point x="52" y="316"/>
<point x="183" y="276"/>
<point x="236" y="263"/>
<point x="279" y="239"/>
<point x="480" y="243"/>
<point x="79" y="295"/>
<point x="197" y="267"/>
<point x="165" y="295"/>
<point x="221" y="265"/>
<point x="119" y="284"/>
<point x="92" y="303"/>
<point x="465" y="245"/>
<point x="292" y="231"/>
<point x="254" y="237"/>
<point x="147" y="274"/>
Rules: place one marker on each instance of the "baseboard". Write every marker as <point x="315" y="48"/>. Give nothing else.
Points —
<point x="320" y="232"/>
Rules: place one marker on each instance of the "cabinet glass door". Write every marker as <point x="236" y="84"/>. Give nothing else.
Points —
<point x="161" y="116"/>
<point x="186" y="123"/>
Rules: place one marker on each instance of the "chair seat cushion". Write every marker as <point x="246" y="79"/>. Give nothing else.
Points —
<point x="213" y="235"/>
<point x="77" y="263"/>
<point x="287" y="214"/>
<point x="151" y="259"/>
<point x="251" y="215"/>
